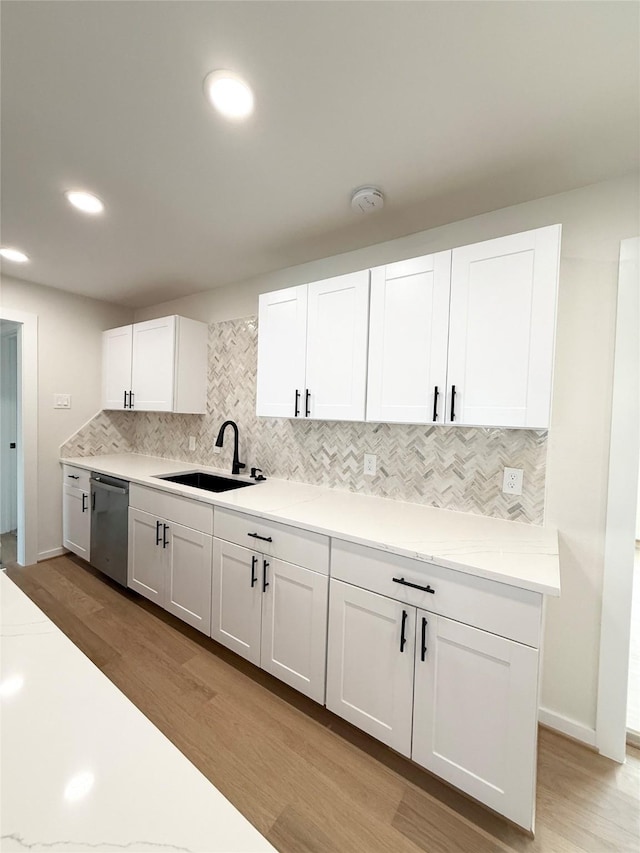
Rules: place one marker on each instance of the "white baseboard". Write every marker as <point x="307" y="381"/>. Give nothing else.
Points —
<point x="567" y="726"/>
<point x="53" y="552"/>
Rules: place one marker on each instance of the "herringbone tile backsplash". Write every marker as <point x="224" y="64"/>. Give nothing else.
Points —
<point x="451" y="467"/>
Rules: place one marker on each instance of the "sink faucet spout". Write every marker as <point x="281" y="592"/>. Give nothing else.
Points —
<point x="237" y="465"/>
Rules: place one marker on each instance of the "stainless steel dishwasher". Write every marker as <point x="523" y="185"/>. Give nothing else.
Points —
<point x="109" y="526"/>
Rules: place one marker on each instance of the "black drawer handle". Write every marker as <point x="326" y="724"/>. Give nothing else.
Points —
<point x="158" y="537"/>
<point x="165" y="541"/>
<point x="263" y="538"/>
<point x="296" y="409"/>
<point x="403" y="639"/>
<point x="453" y="403"/>
<point x="426" y="588"/>
<point x="73" y="476"/>
<point x="423" y="653"/>
<point x="254" y="576"/>
<point x="436" y="394"/>
<point x="265" y="582"/>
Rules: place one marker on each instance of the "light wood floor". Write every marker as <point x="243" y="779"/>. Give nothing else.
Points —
<point x="308" y="781"/>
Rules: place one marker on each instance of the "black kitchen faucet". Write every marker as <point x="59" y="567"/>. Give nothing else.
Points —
<point x="237" y="465"/>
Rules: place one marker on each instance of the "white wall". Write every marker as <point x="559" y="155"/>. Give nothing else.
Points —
<point x="69" y="361"/>
<point x="594" y="220"/>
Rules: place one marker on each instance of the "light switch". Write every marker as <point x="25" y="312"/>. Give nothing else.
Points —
<point x="62" y="401"/>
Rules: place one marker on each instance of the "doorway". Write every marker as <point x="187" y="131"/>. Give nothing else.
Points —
<point x="26" y="450"/>
<point x="622" y="497"/>
<point x="8" y="442"/>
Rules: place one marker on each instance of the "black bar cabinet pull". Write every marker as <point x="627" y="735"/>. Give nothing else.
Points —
<point x="453" y="402"/>
<point x="254" y="576"/>
<point x="93" y="501"/>
<point x="403" y="639"/>
<point x="158" y="537"/>
<point x="165" y="541"/>
<point x="131" y="395"/>
<point x="436" y="394"/>
<point x="125" y="400"/>
<point x="423" y="652"/>
<point x="426" y="588"/>
<point x="257" y="536"/>
<point x="265" y="582"/>
<point x="73" y="476"/>
<point x="296" y="410"/>
<point x="84" y="506"/>
<point x="307" y="397"/>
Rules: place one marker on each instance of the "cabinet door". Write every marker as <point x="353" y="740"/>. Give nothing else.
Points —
<point x="282" y="341"/>
<point x="408" y="333"/>
<point x="153" y="365"/>
<point x="145" y="571"/>
<point x="475" y="714"/>
<point x="294" y="627"/>
<point x="236" y="599"/>
<point x="369" y="668"/>
<point x="502" y="322"/>
<point x="116" y="366"/>
<point x="337" y="329"/>
<point x="76" y="521"/>
<point x="188" y="576"/>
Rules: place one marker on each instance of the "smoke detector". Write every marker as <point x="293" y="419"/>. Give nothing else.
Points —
<point x="367" y="200"/>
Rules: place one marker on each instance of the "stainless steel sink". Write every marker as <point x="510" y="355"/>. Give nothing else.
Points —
<point x="206" y="481"/>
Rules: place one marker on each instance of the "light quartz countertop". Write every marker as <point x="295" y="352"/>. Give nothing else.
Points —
<point x="82" y="768"/>
<point x="510" y="552"/>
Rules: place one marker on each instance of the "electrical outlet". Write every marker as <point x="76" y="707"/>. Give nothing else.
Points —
<point x="62" y="401"/>
<point x="512" y="481"/>
<point x="192" y="442"/>
<point x="369" y="464"/>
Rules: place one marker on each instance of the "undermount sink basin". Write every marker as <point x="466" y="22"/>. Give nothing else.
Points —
<point x="208" y="482"/>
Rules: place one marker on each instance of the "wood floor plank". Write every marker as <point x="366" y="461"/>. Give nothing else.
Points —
<point x="99" y="651"/>
<point x="306" y="779"/>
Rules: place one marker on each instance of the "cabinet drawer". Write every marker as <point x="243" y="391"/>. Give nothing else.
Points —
<point x="496" y="607"/>
<point x="291" y="544"/>
<point x="185" y="511"/>
<point x="76" y="477"/>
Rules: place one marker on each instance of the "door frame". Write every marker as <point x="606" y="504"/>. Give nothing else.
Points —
<point x="624" y="454"/>
<point x="27" y="457"/>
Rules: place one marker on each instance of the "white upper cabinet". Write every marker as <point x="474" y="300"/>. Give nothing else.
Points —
<point x="152" y="377"/>
<point x="282" y="347"/>
<point x="117" y="346"/>
<point x="408" y="332"/>
<point x="458" y="337"/>
<point x="501" y="330"/>
<point x="156" y="366"/>
<point x="336" y="380"/>
<point x="312" y="350"/>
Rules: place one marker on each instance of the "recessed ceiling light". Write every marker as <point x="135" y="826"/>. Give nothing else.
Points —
<point x="14" y="255"/>
<point x="86" y="202"/>
<point x="229" y="94"/>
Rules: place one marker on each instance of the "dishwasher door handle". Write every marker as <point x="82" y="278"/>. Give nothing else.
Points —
<point x="98" y="484"/>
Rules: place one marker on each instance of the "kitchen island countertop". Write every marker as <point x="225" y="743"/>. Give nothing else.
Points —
<point x="84" y="769"/>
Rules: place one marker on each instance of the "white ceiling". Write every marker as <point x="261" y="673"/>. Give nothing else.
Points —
<point x="452" y="108"/>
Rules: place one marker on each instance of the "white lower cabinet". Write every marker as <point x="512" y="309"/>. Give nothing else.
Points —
<point x="475" y="713"/>
<point x="370" y="663"/>
<point x="76" y="512"/>
<point x="272" y="613"/>
<point x="458" y="700"/>
<point x="170" y="564"/>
